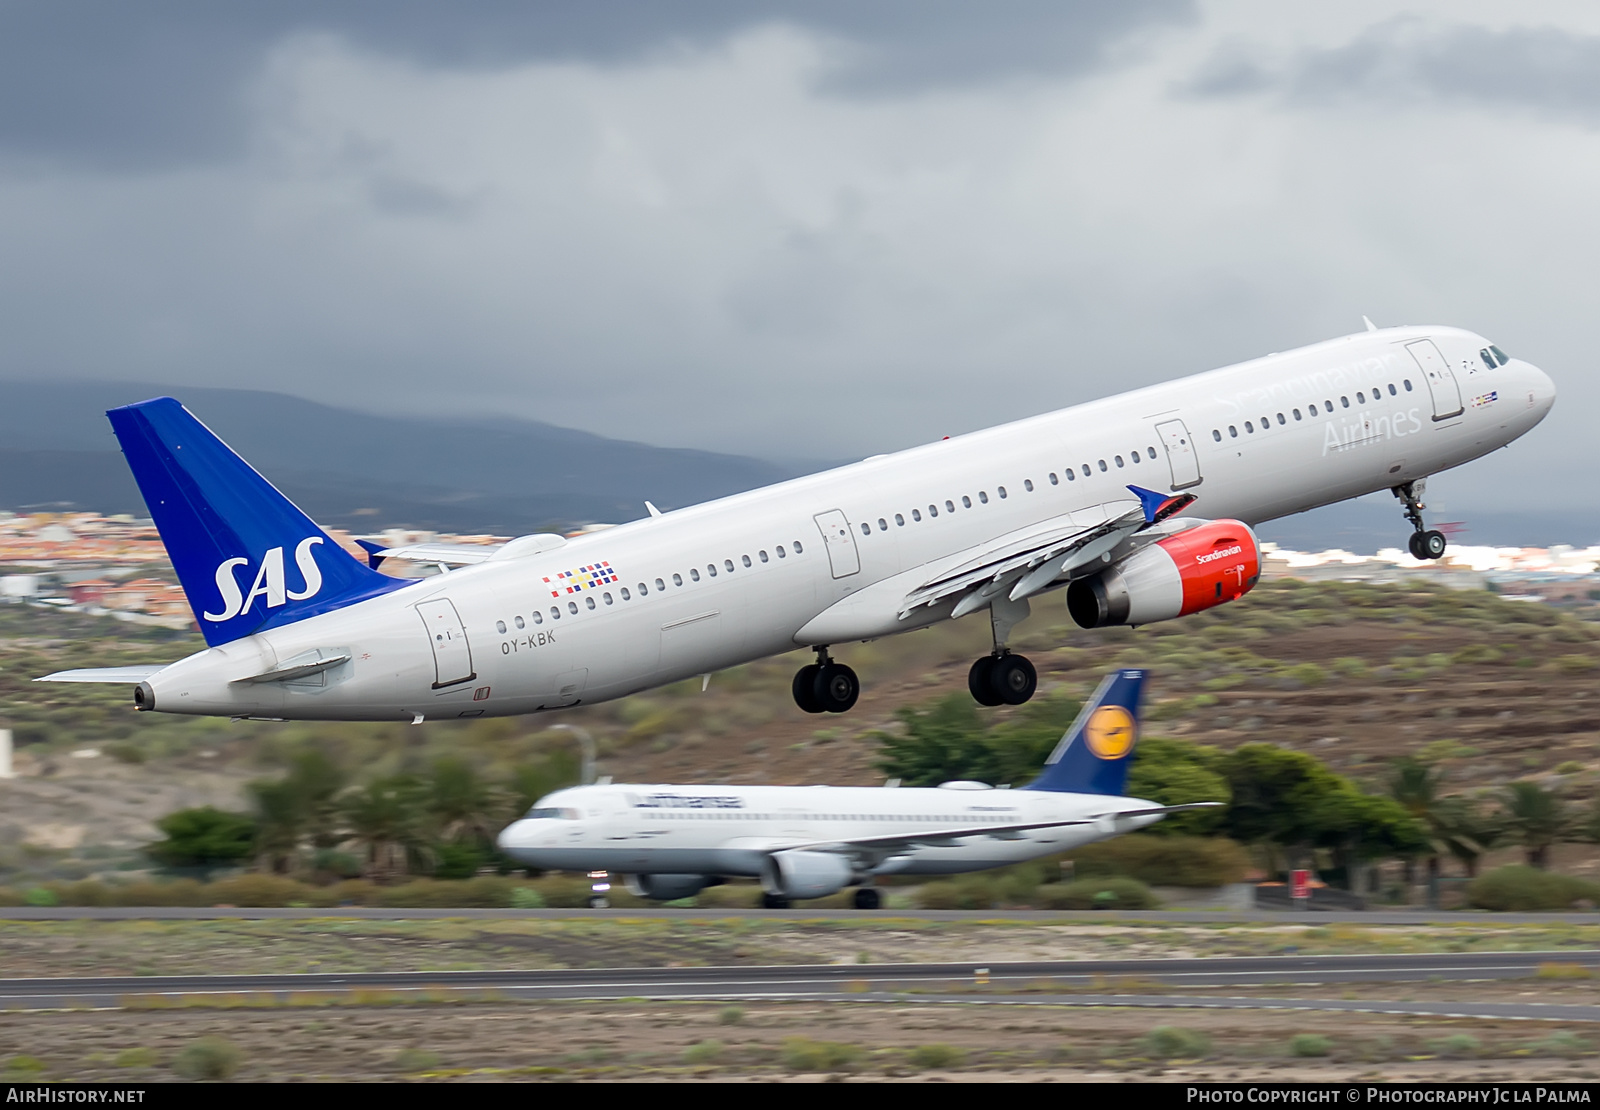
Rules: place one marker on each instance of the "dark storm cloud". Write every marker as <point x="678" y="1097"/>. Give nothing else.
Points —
<point x="1552" y="72"/>
<point x="112" y="84"/>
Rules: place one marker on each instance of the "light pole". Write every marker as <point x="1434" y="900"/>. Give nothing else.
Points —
<point x="586" y="775"/>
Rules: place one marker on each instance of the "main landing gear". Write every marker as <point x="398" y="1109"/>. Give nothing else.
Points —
<point x="1424" y="543"/>
<point x="1002" y="678"/>
<point x="826" y="686"/>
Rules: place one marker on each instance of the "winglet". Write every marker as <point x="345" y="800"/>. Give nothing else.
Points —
<point x="1370" y="325"/>
<point x="374" y="552"/>
<point x="653" y="510"/>
<point x="1094" y="754"/>
<point x="1159" y="506"/>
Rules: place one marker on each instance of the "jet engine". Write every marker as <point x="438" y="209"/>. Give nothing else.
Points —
<point x="1198" y="568"/>
<point x="669" y="888"/>
<point x="804" y="874"/>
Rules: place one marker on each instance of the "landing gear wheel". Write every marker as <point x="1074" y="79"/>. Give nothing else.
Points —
<point x="1433" y="545"/>
<point x="1415" y="545"/>
<point x="805" y="686"/>
<point x="835" y="688"/>
<point x="1013" y="679"/>
<point x="867" y="898"/>
<point x="599" y="903"/>
<point x="774" y="902"/>
<point x="978" y="682"/>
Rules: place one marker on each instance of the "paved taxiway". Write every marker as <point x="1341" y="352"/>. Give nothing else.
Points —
<point x="911" y="982"/>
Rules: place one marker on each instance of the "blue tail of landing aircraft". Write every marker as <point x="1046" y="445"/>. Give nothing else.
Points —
<point x="1094" y="755"/>
<point x="231" y="536"/>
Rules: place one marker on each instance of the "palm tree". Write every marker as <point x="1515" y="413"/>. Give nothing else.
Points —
<point x="280" y="824"/>
<point x="462" y="804"/>
<point x="1536" y="819"/>
<point x="388" y="817"/>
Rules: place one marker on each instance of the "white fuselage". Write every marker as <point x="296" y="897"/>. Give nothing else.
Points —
<point x="733" y="830"/>
<point x="829" y="558"/>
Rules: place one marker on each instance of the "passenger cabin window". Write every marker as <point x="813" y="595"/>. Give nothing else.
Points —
<point x="572" y="607"/>
<point x="883" y="526"/>
<point x="1216" y="434"/>
<point x="1233" y="432"/>
<point x="1001" y="490"/>
<point x="1072" y="475"/>
<point x="728" y="565"/>
<point x="1297" y="414"/>
<point x="797" y="548"/>
<point x="1249" y="427"/>
<point x="520" y="623"/>
<point x="949" y="506"/>
<point x="1135" y="455"/>
<point x="745" y="559"/>
<point x="626" y="596"/>
<point x="916" y="514"/>
<point x="1407" y="383"/>
<point x="677" y="579"/>
<point x="1119" y="461"/>
<point x="1281" y="420"/>
<point x="500" y="626"/>
<point x="589" y="601"/>
<point x="1361" y="398"/>
<point x="899" y="520"/>
<point x="538" y="617"/>
<point x="694" y="575"/>
<point x="1391" y="389"/>
<point x="1054" y="481"/>
<point x="607" y="596"/>
<point x="933" y="510"/>
<point x="1345" y="401"/>
<point x="555" y="612"/>
<point x="780" y="551"/>
<point x="711" y="569"/>
<point x="983" y="496"/>
<point x="1103" y="466"/>
<point x="966" y="502"/>
<point x="1027" y="484"/>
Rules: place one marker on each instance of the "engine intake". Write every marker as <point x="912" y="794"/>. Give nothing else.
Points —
<point x="1198" y="568"/>
<point x="804" y="874"/>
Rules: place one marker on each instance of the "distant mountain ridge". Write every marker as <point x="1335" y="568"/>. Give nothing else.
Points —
<point x="363" y="471"/>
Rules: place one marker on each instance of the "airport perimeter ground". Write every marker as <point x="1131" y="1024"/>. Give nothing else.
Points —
<point x="978" y="1032"/>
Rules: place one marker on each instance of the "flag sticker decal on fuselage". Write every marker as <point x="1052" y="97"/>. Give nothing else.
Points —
<point x="584" y="578"/>
<point x="1110" y="732"/>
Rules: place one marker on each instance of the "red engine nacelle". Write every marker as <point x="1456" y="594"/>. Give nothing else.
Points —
<point x="1192" y="570"/>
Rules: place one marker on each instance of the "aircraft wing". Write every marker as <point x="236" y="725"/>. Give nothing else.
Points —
<point x="131" y="676"/>
<point x="1028" y="561"/>
<point x="951" y="837"/>
<point x="450" y="554"/>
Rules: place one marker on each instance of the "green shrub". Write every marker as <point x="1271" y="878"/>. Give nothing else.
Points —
<point x="1519" y="888"/>
<point x="1111" y="893"/>
<point x="703" y="1052"/>
<point x="207" y="1058"/>
<point x="175" y="892"/>
<point x="937" y="1056"/>
<point x="730" y="1015"/>
<point x="416" y="1059"/>
<point x="22" y="1065"/>
<point x="1193" y="861"/>
<point x="41" y="896"/>
<point x="1457" y="1044"/>
<point x="804" y="1054"/>
<point x="1168" y="1041"/>
<point x="969" y="892"/>
<point x="125" y="753"/>
<point x="135" y="1058"/>
<point x="526" y="898"/>
<point x="1309" y="1044"/>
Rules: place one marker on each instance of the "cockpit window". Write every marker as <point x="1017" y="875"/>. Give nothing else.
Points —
<point x="1488" y="359"/>
<point x="1499" y="354"/>
<point x="555" y="813"/>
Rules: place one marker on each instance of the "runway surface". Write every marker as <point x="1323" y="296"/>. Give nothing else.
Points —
<point x="209" y="913"/>
<point x="932" y="983"/>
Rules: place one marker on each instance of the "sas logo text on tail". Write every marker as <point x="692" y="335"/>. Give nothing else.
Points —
<point x="269" y="581"/>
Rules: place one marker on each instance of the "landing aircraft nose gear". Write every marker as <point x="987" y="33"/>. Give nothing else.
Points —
<point x="1425" y="543"/>
<point x="825" y="686"/>
<point x="867" y="898"/>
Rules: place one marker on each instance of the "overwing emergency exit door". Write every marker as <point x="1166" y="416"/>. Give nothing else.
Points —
<point x="452" y="655"/>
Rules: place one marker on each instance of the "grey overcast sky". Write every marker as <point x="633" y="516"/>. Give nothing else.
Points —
<point x="820" y="229"/>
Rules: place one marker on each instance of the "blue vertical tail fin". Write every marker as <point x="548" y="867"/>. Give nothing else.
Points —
<point x="1094" y="755"/>
<point x="247" y="558"/>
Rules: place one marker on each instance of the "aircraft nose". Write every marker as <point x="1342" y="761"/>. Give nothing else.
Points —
<point x="513" y="835"/>
<point x="1541" y="390"/>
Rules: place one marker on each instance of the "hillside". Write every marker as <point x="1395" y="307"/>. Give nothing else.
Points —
<point x="1355" y="674"/>
<point x="359" y="470"/>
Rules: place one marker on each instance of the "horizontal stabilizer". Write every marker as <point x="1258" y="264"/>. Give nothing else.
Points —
<point x="129" y="676"/>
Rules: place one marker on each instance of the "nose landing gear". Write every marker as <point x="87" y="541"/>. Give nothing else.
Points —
<point x="1425" y="543"/>
<point x="825" y="686"/>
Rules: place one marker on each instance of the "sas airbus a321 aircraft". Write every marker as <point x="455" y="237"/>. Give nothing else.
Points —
<point x="811" y="841"/>
<point x="299" y="629"/>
